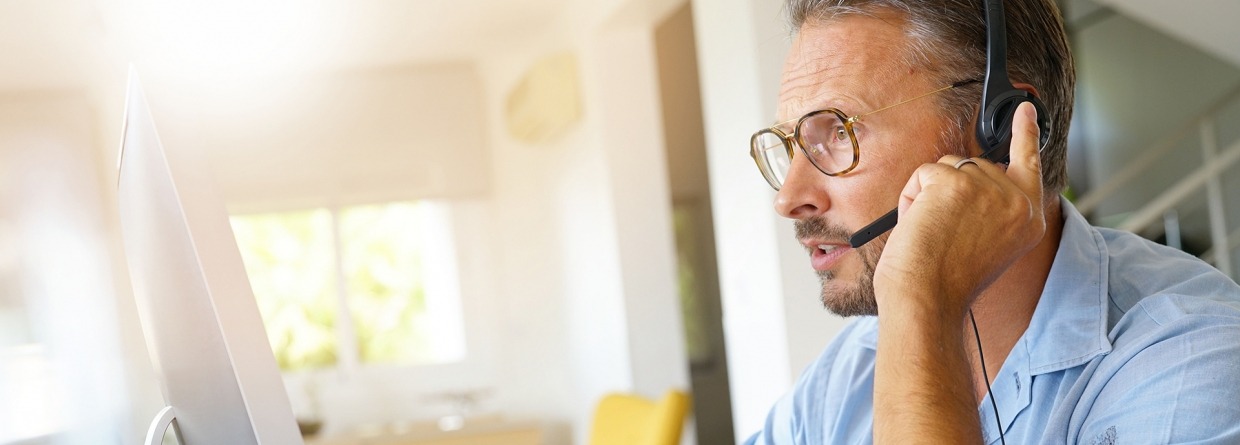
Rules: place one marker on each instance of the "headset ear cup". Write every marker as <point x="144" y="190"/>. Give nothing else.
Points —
<point x="995" y="125"/>
<point x="998" y="118"/>
<point x="1008" y="112"/>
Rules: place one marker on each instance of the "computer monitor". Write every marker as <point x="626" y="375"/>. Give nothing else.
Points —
<point x="199" y="317"/>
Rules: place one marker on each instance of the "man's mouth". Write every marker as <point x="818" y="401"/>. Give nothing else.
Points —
<point x="826" y="256"/>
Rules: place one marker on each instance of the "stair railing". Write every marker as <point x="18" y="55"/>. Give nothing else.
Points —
<point x="1213" y="165"/>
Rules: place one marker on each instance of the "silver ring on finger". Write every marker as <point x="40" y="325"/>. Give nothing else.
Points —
<point x="964" y="161"/>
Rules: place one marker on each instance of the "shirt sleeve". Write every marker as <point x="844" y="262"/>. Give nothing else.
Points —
<point x="1184" y="387"/>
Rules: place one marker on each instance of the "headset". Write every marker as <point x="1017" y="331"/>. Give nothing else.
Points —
<point x="995" y="115"/>
<point x="999" y="97"/>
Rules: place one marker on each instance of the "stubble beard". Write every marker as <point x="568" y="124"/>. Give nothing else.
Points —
<point x="841" y="298"/>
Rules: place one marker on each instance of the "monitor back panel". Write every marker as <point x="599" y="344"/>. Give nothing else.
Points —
<point x="202" y="326"/>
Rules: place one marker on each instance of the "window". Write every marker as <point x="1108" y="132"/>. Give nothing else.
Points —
<point x="358" y="285"/>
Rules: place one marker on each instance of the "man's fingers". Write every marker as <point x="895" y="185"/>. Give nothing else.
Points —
<point x="912" y="188"/>
<point x="923" y="176"/>
<point x="1026" y="164"/>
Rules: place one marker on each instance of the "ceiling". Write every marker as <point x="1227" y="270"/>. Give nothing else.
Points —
<point x="61" y="44"/>
<point x="1212" y="25"/>
<point x="50" y="45"/>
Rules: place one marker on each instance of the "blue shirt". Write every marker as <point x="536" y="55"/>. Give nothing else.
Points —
<point x="1131" y="342"/>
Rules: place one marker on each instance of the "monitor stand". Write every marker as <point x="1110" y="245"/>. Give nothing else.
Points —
<point x="159" y="427"/>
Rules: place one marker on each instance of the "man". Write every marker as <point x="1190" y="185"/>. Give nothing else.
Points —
<point x="1082" y="334"/>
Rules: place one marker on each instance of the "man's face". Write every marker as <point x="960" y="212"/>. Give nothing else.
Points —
<point x="855" y="64"/>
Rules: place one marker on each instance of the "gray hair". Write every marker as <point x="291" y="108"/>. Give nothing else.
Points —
<point x="948" y="38"/>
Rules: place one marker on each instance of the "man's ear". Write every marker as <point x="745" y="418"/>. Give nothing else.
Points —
<point x="1028" y="88"/>
<point x="971" y="146"/>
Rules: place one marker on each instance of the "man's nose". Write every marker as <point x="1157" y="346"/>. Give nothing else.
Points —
<point x="803" y="194"/>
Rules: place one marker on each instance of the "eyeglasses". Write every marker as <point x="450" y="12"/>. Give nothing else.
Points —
<point x="825" y="136"/>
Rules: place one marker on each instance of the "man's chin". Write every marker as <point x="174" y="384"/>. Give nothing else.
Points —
<point x="849" y="291"/>
<point x="848" y="301"/>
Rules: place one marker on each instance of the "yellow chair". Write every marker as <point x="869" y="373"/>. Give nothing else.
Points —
<point x="623" y="419"/>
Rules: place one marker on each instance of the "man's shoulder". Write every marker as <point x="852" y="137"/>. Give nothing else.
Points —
<point x="1158" y="294"/>
<point x="1163" y="282"/>
<point x="1196" y="319"/>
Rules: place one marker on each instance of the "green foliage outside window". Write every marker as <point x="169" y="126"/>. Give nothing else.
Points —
<point x="291" y="264"/>
<point x="291" y="260"/>
<point x="386" y="294"/>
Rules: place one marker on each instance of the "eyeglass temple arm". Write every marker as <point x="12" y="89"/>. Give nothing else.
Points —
<point x="941" y="89"/>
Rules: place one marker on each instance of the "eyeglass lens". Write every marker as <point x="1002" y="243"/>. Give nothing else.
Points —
<point x="825" y="139"/>
<point x="772" y="156"/>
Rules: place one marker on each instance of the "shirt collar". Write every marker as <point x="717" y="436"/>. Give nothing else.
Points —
<point x="1069" y="325"/>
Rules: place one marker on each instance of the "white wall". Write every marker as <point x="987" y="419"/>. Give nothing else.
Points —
<point x="72" y="366"/>
<point x="342" y="137"/>
<point x="584" y="222"/>
<point x="625" y="83"/>
<point x="773" y="320"/>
